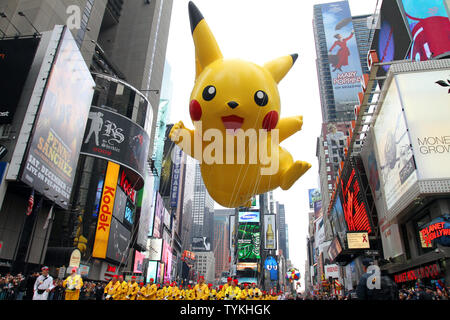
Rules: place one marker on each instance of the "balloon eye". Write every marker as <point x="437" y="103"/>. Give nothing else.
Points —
<point x="275" y="267"/>
<point x="269" y="267"/>
<point x="261" y="98"/>
<point x="209" y="93"/>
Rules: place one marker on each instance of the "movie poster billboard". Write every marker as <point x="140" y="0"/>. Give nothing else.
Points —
<point x="16" y="57"/>
<point x="167" y="261"/>
<point x="396" y="164"/>
<point x="345" y="64"/>
<point x="55" y="142"/>
<point x="152" y="270"/>
<point x="114" y="137"/>
<point x="429" y="24"/>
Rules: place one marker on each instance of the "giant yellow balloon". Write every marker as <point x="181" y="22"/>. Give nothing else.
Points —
<point x="235" y="108"/>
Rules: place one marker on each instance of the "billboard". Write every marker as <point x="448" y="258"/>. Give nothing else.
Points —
<point x="353" y="199"/>
<point x="152" y="270"/>
<point x="102" y="234"/>
<point x="159" y="212"/>
<point x="334" y="249"/>
<point x="114" y="137"/>
<point x="391" y="40"/>
<point x="337" y="215"/>
<point x="249" y="216"/>
<point x="248" y="243"/>
<point x="201" y="244"/>
<point x="331" y="270"/>
<point x="317" y="209"/>
<point x="55" y="142"/>
<point x="243" y="266"/>
<point x="16" y="57"/>
<point x="167" y="261"/>
<point x="358" y="240"/>
<point x="154" y="249"/>
<point x="427" y="122"/>
<point x="345" y="63"/>
<point x="270" y="232"/>
<point x="138" y="262"/>
<point x="429" y="24"/>
<point x="176" y="178"/>
<point x="314" y="195"/>
<point x="396" y="164"/>
<point x="118" y="242"/>
<point x="271" y="265"/>
<point x="129" y="215"/>
<point x="120" y="203"/>
<point x="146" y="212"/>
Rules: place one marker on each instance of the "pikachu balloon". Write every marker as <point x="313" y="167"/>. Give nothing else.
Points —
<point x="235" y="108"/>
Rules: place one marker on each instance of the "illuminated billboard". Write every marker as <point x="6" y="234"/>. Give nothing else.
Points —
<point x="270" y="232"/>
<point x="353" y="199"/>
<point x="54" y="145"/>
<point x="249" y="216"/>
<point x="429" y="25"/>
<point x="248" y="240"/>
<point x="345" y="63"/>
<point x="314" y="195"/>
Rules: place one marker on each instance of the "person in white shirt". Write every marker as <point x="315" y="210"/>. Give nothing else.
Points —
<point x="43" y="285"/>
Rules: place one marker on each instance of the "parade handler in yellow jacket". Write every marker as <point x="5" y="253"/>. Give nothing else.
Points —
<point x="73" y="284"/>
<point x="233" y="292"/>
<point x="112" y="289"/>
<point x="123" y="289"/>
<point x="201" y="289"/>
<point x="133" y="289"/>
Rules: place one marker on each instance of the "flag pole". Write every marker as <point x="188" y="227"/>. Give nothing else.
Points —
<point x="46" y="231"/>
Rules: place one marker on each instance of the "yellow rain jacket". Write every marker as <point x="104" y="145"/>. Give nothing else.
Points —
<point x="73" y="284"/>
<point x="201" y="291"/>
<point x="113" y="290"/>
<point x="232" y="293"/>
<point x="133" y="289"/>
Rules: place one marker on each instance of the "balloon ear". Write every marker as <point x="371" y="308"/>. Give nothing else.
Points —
<point x="206" y="48"/>
<point x="278" y="68"/>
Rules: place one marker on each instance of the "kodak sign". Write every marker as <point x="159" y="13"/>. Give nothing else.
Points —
<point x="105" y="211"/>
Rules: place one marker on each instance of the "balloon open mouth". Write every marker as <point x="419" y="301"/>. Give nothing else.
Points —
<point x="232" y="122"/>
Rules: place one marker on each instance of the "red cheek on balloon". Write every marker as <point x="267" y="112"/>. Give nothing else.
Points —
<point x="195" y="110"/>
<point x="270" y="121"/>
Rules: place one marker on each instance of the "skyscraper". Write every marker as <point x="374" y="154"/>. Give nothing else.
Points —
<point x="221" y="240"/>
<point x="282" y="230"/>
<point x="202" y="212"/>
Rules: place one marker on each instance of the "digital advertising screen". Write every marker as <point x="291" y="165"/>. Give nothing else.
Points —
<point x="429" y="25"/>
<point x="249" y="216"/>
<point x="55" y="142"/>
<point x="16" y="58"/>
<point x="159" y="212"/>
<point x="392" y="40"/>
<point x="119" y="205"/>
<point x="118" y="243"/>
<point x="354" y="204"/>
<point x="129" y="215"/>
<point x="345" y="63"/>
<point x="249" y="242"/>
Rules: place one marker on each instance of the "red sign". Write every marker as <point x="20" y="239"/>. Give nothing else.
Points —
<point x="429" y="271"/>
<point x="127" y="187"/>
<point x="354" y="207"/>
<point x="434" y="231"/>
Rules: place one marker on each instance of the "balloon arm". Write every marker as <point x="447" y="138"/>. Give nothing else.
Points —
<point x="183" y="137"/>
<point x="289" y="126"/>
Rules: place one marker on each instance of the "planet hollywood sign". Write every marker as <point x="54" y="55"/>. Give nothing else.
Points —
<point x="429" y="271"/>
